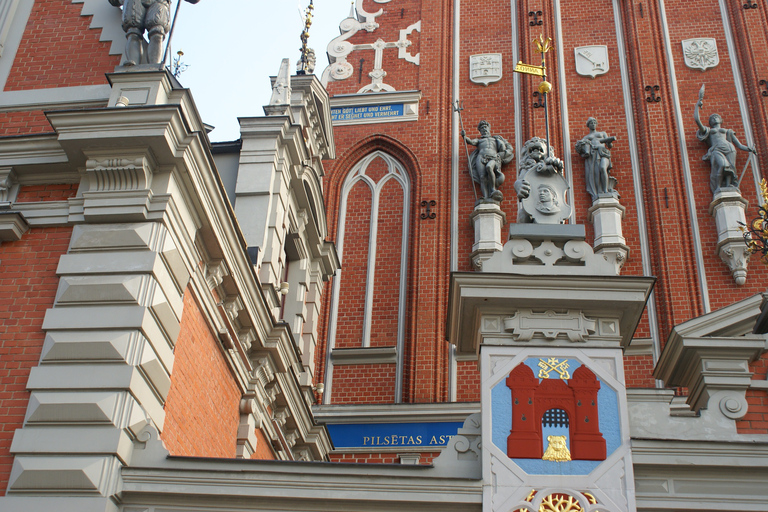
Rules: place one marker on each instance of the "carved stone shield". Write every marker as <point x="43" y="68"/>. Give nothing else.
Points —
<point x="591" y="60"/>
<point x="485" y="68"/>
<point x="546" y="202"/>
<point x="701" y="53"/>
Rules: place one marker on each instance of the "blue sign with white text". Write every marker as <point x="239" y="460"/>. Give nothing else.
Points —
<point x="367" y="112"/>
<point x="388" y="435"/>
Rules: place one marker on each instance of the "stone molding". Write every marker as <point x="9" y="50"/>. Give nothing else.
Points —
<point x="151" y="216"/>
<point x="711" y="354"/>
<point x="709" y="367"/>
<point x="13" y="225"/>
<point x="369" y="355"/>
<point x="555" y="249"/>
<point x="478" y="302"/>
<point x="681" y="475"/>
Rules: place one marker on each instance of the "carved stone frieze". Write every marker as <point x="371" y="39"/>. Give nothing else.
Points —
<point x="547" y="256"/>
<point x="574" y="325"/>
<point x="119" y="173"/>
<point x="215" y="271"/>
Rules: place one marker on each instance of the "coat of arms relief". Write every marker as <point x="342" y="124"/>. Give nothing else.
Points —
<point x="701" y="53"/>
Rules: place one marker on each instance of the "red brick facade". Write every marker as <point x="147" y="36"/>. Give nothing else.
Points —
<point x="673" y="190"/>
<point x="28" y="284"/>
<point x="198" y="423"/>
<point x="59" y="50"/>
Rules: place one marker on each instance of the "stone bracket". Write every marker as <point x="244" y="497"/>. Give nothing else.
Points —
<point x="712" y="368"/>
<point x="727" y="207"/>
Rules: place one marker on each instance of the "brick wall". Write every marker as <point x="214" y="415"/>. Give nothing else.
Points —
<point x="203" y="405"/>
<point x="663" y="181"/>
<point x="59" y="50"/>
<point x="357" y="232"/>
<point x="263" y="447"/>
<point x="379" y="458"/>
<point x="24" y="123"/>
<point x="756" y="419"/>
<point x="423" y="148"/>
<point x="50" y="192"/>
<point x="364" y="384"/>
<point x="28" y="284"/>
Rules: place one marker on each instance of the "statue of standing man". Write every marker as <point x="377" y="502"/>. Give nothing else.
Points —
<point x="721" y="153"/>
<point x="595" y="148"/>
<point x="152" y="16"/>
<point x="485" y="162"/>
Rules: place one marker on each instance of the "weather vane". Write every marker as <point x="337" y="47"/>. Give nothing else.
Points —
<point x="542" y="46"/>
<point x="307" y="62"/>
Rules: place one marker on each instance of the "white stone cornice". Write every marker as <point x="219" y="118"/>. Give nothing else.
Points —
<point x="710" y="367"/>
<point x="475" y="294"/>
<point x="226" y="485"/>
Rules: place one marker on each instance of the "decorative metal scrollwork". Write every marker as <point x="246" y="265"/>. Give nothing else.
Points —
<point x="756" y="231"/>
<point x="535" y="15"/>
<point x="541" y="100"/>
<point x="428" y="214"/>
<point x="652" y="90"/>
<point x="763" y="83"/>
<point x="750" y="5"/>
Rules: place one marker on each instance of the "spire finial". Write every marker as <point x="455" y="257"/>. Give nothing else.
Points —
<point x="306" y="64"/>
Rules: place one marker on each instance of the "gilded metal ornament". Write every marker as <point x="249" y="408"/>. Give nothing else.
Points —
<point x="554" y="365"/>
<point x="756" y="231"/>
<point x="557" y="450"/>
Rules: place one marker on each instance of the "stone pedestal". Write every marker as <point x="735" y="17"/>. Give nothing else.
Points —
<point x="488" y="220"/>
<point x="555" y="424"/>
<point x="727" y="207"/>
<point x="606" y="214"/>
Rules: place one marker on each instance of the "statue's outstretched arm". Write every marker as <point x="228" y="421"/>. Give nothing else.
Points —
<point x="743" y="147"/>
<point x="696" y="115"/>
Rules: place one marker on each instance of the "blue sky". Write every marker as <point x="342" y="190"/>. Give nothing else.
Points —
<point x="233" y="46"/>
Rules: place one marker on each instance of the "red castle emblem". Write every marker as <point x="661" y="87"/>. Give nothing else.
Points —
<point x="553" y="402"/>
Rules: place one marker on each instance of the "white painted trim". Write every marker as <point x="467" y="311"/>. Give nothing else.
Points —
<point x="377" y="98"/>
<point x="16" y="23"/>
<point x="7" y="11"/>
<point x="454" y="255"/>
<point x="637" y="181"/>
<point x="738" y="82"/>
<point x="58" y="97"/>
<point x="675" y="97"/>
<point x="566" y="149"/>
<point x="516" y="85"/>
<point x="391" y="413"/>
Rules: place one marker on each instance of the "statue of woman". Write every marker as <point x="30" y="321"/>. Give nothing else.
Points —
<point x="595" y="148"/>
<point x="722" y="153"/>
